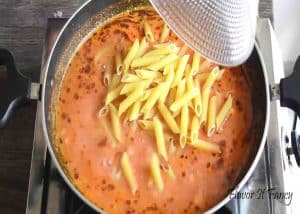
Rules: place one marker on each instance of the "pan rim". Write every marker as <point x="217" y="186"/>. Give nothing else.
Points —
<point x="44" y="127"/>
<point x="263" y="140"/>
<point x="67" y="180"/>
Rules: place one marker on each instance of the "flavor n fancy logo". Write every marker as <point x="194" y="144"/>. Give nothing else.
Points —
<point x="263" y="193"/>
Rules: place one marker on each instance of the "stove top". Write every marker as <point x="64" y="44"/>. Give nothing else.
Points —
<point x="48" y="193"/>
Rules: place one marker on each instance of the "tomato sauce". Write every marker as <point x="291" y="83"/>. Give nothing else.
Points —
<point x="92" y="158"/>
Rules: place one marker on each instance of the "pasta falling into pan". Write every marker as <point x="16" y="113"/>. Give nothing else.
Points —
<point x="140" y="89"/>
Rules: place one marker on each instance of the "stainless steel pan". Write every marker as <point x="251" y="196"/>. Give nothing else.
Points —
<point x="18" y="90"/>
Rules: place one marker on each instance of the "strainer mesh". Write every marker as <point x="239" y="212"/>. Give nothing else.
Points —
<point x="221" y="30"/>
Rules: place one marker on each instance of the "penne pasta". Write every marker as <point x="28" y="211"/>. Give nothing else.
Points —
<point x="100" y="54"/>
<point x="107" y="129"/>
<point x="129" y="87"/>
<point x="113" y="94"/>
<point x="103" y="111"/>
<point x="115" y="80"/>
<point x="169" y="79"/>
<point x="195" y="64"/>
<point x="187" y="71"/>
<point x="161" y="82"/>
<point x="171" y="96"/>
<point x="146" y="124"/>
<point x="179" y="93"/>
<point x="211" y="116"/>
<point x="130" y="78"/>
<point x="197" y="102"/>
<point x="126" y="117"/>
<point x="206" y="146"/>
<point x="163" y="62"/>
<point x="147" y="94"/>
<point x="183" y="100"/>
<point x="224" y="112"/>
<point x="107" y="77"/>
<point x="205" y="66"/>
<point x="169" y="137"/>
<point x="180" y="69"/>
<point x="166" y="69"/>
<point x="221" y="72"/>
<point x="144" y="45"/>
<point x="156" y="173"/>
<point x="148" y="114"/>
<point x="128" y="101"/>
<point x="116" y="129"/>
<point x="158" y="80"/>
<point x="118" y="63"/>
<point x="195" y="126"/>
<point x="164" y="49"/>
<point x="135" y="111"/>
<point x="172" y="147"/>
<point x="205" y="98"/>
<point x="128" y="173"/>
<point x="176" y="113"/>
<point x="153" y="98"/>
<point x="164" y="33"/>
<point x="159" y="136"/>
<point x="132" y="129"/>
<point x="146" y="74"/>
<point x="183" y="50"/>
<point x="180" y="89"/>
<point x="184" y="124"/>
<point x="203" y="76"/>
<point x="213" y="75"/>
<point x="163" y="45"/>
<point x="166" y="115"/>
<point x="148" y="32"/>
<point x="170" y="172"/>
<point x="130" y="56"/>
<point x="189" y="83"/>
<point x="146" y="60"/>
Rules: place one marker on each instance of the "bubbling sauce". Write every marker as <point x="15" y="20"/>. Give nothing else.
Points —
<point x="92" y="158"/>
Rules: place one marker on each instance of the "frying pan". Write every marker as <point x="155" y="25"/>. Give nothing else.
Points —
<point x="18" y="89"/>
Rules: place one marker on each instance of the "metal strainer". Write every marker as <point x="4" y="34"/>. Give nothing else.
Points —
<point x="220" y="30"/>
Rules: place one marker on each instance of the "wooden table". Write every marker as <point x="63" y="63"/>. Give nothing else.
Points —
<point x="22" y="30"/>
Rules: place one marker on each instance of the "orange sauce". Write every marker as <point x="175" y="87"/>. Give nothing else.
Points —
<point x="92" y="159"/>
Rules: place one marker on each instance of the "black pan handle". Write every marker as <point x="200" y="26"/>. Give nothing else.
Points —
<point x="14" y="87"/>
<point x="290" y="89"/>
